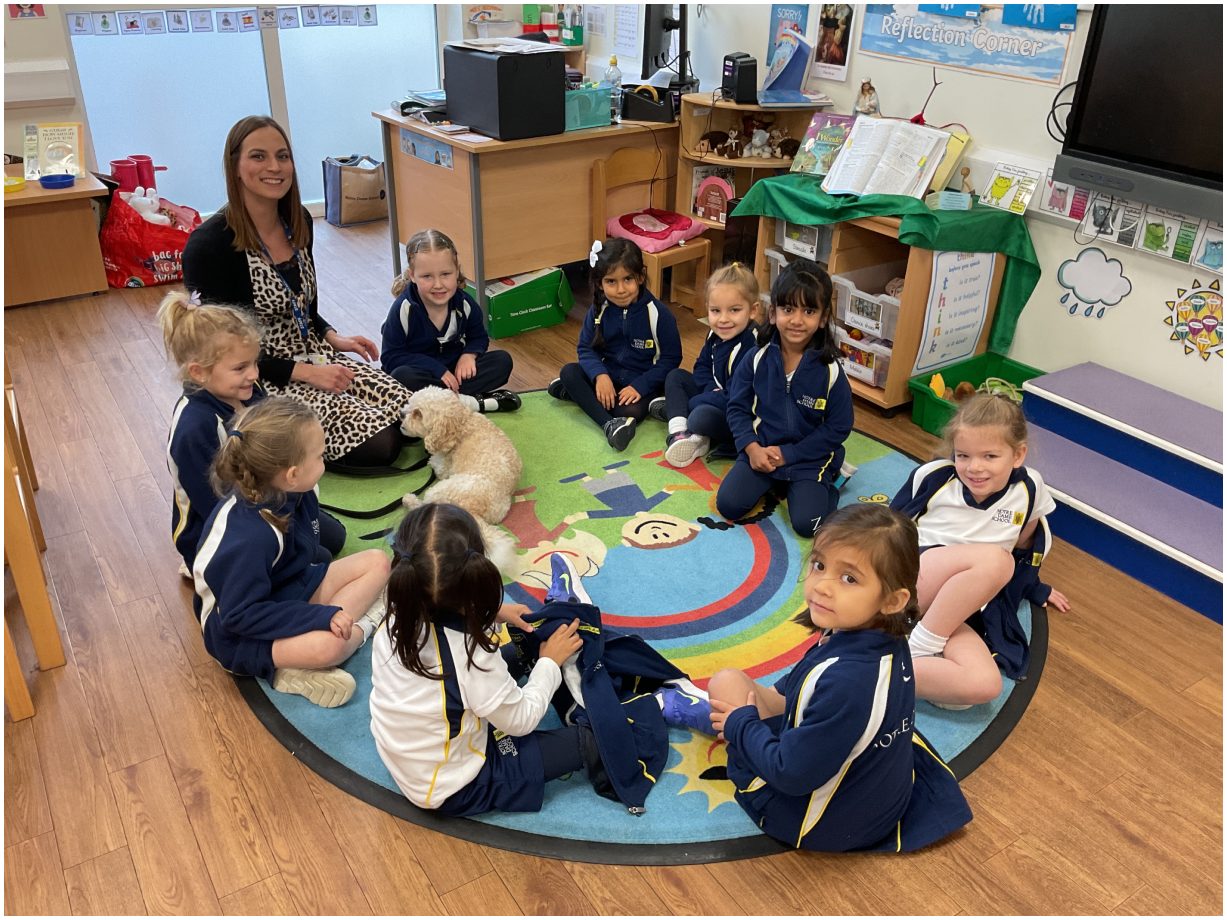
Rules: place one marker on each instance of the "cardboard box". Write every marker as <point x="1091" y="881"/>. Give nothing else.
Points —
<point x="505" y="96"/>
<point x="532" y="300"/>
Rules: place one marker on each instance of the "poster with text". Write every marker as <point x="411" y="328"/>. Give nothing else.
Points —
<point x="832" y="47"/>
<point x="425" y="149"/>
<point x="957" y="308"/>
<point x="984" y="44"/>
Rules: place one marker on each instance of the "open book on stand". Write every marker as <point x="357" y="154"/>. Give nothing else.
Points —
<point x="886" y="157"/>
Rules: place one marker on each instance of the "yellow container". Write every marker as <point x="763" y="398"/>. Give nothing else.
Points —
<point x="13" y="184"/>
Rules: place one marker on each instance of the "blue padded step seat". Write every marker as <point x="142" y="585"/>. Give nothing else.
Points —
<point x="1166" y="436"/>
<point x="1148" y="529"/>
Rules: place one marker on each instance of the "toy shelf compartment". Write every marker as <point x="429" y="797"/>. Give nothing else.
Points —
<point x="861" y="302"/>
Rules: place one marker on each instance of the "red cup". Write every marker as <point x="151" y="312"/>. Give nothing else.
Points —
<point x="124" y="172"/>
<point x="145" y="170"/>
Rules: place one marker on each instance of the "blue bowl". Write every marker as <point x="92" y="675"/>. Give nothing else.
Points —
<point x="59" y="180"/>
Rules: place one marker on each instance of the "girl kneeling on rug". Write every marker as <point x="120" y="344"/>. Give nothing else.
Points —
<point x="267" y="607"/>
<point x="790" y="405"/>
<point x="451" y="724"/>
<point x="828" y="758"/>
<point x="972" y="512"/>
<point x="627" y="347"/>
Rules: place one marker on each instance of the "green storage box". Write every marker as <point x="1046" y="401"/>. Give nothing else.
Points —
<point x="532" y="300"/>
<point x="931" y="412"/>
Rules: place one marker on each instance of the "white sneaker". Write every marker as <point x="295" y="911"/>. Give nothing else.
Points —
<point x="684" y="451"/>
<point x="369" y="621"/>
<point x="953" y="707"/>
<point x="325" y="687"/>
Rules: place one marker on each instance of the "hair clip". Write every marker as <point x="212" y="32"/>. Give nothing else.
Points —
<point x="597" y="246"/>
<point x="194" y="298"/>
<point x="235" y="433"/>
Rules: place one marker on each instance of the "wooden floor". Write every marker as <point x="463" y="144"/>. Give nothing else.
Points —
<point x="144" y="783"/>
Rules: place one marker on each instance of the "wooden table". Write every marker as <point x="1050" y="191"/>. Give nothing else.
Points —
<point x="51" y="241"/>
<point x="510" y="206"/>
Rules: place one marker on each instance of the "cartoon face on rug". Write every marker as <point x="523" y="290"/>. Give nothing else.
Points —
<point x="654" y="530"/>
<point x="476" y="464"/>
<point x="586" y="552"/>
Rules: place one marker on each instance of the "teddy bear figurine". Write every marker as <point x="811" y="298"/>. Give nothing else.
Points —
<point x="731" y="148"/>
<point x="759" y="145"/>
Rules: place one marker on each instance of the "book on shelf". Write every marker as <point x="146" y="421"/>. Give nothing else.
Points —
<point x="711" y="188"/>
<point x="790" y="99"/>
<point x="790" y="63"/>
<point x="823" y="139"/>
<point x="886" y="157"/>
<point x="955" y="148"/>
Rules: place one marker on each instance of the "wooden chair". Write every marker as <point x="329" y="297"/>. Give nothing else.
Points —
<point x="627" y="180"/>
<point x="23" y="542"/>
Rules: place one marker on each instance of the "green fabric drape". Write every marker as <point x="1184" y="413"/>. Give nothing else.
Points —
<point x="798" y="199"/>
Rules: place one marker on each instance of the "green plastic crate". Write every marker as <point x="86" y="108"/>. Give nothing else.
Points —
<point x="931" y="412"/>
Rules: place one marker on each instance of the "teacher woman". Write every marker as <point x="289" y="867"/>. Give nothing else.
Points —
<point x="256" y="253"/>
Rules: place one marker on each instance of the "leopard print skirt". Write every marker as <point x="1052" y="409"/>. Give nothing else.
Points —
<point x="373" y="401"/>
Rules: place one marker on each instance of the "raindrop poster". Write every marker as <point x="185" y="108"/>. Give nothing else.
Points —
<point x="982" y="44"/>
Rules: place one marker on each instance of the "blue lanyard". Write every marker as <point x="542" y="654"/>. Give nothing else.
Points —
<point x="298" y="302"/>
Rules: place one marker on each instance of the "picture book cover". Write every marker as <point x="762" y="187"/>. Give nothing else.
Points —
<point x="785" y="17"/>
<point x="711" y="188"/>
<point x="823" y="139"/>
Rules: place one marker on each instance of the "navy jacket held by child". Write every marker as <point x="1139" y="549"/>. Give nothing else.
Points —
<point x="197" y="429"/>
<point x="843" y="769"/>
<point x="255" y="582"/>
<point x="641" y="345"/>
<point x="713" y="369"/>
<point x="808" y="418"/>
<point x="411" y="339"/>
<point x="618" y="674"/>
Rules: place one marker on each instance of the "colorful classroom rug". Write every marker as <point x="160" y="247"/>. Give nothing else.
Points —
<point x="658" y="560"/>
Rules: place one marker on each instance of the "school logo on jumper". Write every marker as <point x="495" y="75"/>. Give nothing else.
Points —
<point x="1006" y="516"/>
<point x="811" y="402"/>
<point x="1196" y="317"/>
<point x="643" y="343"/>
<point x="315" y="526"/>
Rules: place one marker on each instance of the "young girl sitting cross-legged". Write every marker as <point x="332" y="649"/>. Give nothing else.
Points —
<point x="216" y="349"/>
<point x="267" y="607"/>
<point x="694" y="405"/>
<point x="828" y="759"/>
<point x="435" y="336"/>
<point x="790" y="406"/>
<point x="627" y="347"/>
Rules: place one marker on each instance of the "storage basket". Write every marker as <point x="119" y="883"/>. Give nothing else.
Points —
<point x="860" y="302"/>
<point x="866" y="360"/>
<point x="587" y="108"/>
<point x="931" y="412"/>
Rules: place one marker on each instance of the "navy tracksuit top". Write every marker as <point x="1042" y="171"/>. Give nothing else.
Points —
<point x="411" y="339"/>
<point x="257" y="581"/>
<point x="641" y="345"/>
<point x="197" y="429"/>
<point x="714" y="367"/>
<point x="808" y="418"/>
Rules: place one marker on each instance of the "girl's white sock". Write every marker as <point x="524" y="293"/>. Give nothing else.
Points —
<point x="677" y="424"/>
<point x="924" y="643"/>
<point x="470" y="402"/>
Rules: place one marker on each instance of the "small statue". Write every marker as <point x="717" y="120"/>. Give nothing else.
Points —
<point x="867" y="100"/>
<point x="967" y="187"/>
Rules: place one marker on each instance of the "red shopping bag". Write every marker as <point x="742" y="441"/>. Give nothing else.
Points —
<point x="137" y="253"/>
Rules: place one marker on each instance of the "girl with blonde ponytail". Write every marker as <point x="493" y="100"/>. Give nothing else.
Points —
<point x="215" y="349"/>
<point x="267" y="607"/>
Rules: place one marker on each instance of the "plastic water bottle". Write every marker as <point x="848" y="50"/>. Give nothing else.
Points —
<point x="613" y="77"/>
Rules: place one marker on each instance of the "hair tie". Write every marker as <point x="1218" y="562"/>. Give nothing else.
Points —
<point x="398" y="556"/>
<point x="194" y="298"/>
<point x="235" y="433"/>
<point x="597" y="246"/>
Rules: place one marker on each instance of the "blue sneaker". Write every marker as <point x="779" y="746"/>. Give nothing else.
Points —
<point x="565" y="584"/>
<point x="685" y="710"/>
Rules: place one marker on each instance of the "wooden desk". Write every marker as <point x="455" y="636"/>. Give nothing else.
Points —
<point x="51" y="241"/>
<point x="510" y="206"/>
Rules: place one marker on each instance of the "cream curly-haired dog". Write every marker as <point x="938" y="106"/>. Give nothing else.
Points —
<point x="475" y="463"/>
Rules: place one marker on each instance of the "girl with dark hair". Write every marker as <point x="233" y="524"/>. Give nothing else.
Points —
<point x="790" y="405"/>
<point x="256" y="253"/>
<point x="828" y="758"/>
<point x="627" y="347"/>
<point x="453" y="727"/>
<point x="435" y="336"/>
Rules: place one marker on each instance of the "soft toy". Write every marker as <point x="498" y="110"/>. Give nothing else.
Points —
<point x="731" y="147"/>
<point x="709" y="142"/>
<point x="148" y="205"/>
<point x="758" y="146"/>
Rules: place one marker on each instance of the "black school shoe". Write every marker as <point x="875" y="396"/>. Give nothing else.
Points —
<point x="507" y="400"/>
<point x="619" y="431"/>
<point x="656" y="409"/>
<point x="557" y="390"/>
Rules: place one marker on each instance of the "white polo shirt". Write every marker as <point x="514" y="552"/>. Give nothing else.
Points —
<point x="950" y="519"/>
<point x="413" y="721"/>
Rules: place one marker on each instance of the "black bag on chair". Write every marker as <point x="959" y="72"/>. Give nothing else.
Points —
<point x="354" y="193"/>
